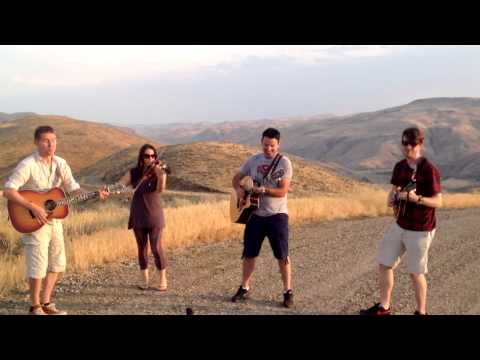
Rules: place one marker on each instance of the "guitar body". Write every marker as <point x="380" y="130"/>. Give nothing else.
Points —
<point x="23" y="219"/>
<point x="240" y="214"/>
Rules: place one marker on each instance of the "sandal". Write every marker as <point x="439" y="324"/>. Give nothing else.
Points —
<point x="141" y="287"/>
<point x="157" y="288"/>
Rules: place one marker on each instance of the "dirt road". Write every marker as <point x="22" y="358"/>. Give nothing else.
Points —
<point x="334" y="272"/>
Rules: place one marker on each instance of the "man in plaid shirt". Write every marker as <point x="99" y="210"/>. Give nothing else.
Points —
<point x="415" y="194"/>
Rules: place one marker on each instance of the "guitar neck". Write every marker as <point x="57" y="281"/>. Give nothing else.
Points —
<point x="78" y="198"/>
<point x="118" y="188"/>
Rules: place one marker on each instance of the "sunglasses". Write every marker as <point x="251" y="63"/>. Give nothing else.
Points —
<point x="148" y="156"/>
<point x="411" y="143"/>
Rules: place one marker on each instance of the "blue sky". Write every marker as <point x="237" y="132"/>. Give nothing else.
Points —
<point x="160" y="84"/>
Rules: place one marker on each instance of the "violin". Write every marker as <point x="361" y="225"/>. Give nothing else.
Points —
<point x="150" y="170"/>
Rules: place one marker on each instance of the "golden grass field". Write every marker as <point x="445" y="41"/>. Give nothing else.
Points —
<point x="99" y="234"/>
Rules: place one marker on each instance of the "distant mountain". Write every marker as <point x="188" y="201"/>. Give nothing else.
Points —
<point x="369" y="143"/>
<point x="243" y="132"/>
<point x="15" y="116"/>
<point x="358" y="146"/>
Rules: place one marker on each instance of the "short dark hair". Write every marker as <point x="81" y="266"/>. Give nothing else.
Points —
<point x="414" y="135"/>
<point x="43" y="130"/>
<point x="272" y="134"/>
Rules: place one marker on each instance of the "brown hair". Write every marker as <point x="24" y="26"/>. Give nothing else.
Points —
<point x="414" y="135"/>
<point x="42" y="130"/>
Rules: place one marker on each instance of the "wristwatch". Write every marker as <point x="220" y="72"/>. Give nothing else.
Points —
<point x="420" y="198"/>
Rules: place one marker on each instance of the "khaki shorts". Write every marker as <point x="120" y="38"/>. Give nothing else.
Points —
<point x="45" y="250"/>
<point x="397" y="241"/>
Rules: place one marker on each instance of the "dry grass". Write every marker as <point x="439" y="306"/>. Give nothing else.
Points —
<point x="460" y="201"/>
<point x="12" y="270"/>
<point x="368" y="203"/>
<point x="100" y="235"/>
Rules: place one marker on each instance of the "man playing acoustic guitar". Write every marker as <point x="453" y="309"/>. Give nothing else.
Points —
<point x="415" y="194"/>
<point x="272" y="174"/>
<point x="44" y="248"/>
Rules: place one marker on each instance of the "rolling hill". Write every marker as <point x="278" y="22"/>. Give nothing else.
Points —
<point x="82" y="143"/>
<point x="210" y="166"/>
<point x="99" y="153"/>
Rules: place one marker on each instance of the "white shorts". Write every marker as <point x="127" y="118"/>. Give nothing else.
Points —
<point x="416" y="244"/>
<point x="45" y="250"/>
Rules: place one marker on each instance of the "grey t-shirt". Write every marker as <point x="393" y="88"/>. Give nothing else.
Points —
<point x="255" y="167"/>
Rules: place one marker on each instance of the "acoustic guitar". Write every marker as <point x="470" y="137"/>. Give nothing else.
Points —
<point x="53" y="201"/>
<point x="400" y="206"/>
<point x="240" y="214"/>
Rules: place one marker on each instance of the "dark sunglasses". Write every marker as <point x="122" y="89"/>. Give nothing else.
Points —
<point x="148" y="156"/>
<point x="411" y="143"/>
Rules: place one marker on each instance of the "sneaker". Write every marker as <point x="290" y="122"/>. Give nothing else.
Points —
<point x="288" y="299"/>
<point x="36" y="310"/>
<point x="242" y="294"/>
<point x="50" y="309"/>
<point x="376" y="310"/>
<point x="419" y="313"/>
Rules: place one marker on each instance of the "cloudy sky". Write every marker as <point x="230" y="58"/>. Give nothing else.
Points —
<point x="162" y="84"/>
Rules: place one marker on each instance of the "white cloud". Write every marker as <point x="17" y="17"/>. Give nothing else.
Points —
<point x="77" y="65"/>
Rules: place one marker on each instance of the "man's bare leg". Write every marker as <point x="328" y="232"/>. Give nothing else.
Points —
<point x="248" y="266"/>
<point x="386" y="278"/>
<point x="286" y="271"/>
<point x="48" y="285"/>
<point x="35" y="286"/>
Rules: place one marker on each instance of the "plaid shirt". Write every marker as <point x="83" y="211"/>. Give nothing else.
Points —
<point x="417" y="217"/>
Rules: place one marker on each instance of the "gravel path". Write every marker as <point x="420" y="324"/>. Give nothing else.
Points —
<point x="334" y="272"/>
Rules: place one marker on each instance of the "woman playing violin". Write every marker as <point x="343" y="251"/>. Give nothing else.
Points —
<point x="147" y="218"/>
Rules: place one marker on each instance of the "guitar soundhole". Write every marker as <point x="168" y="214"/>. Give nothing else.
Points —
<point x="50" y="205"/>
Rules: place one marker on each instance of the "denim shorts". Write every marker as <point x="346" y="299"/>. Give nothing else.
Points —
<point x="274" y="227"/>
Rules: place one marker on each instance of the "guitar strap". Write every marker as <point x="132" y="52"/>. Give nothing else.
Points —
<point x="273" y="166"/>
